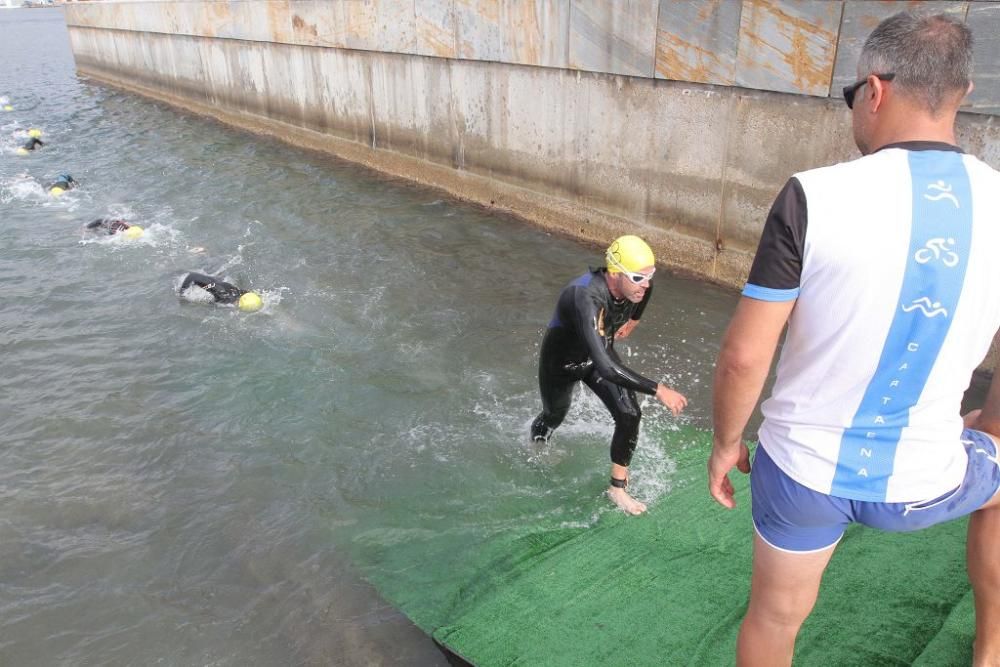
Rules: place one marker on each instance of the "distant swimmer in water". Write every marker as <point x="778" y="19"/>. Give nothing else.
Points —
<point x="222" y="292"/>
<point x="111" y="226"/>
<point x="62" y="183"/>
<point x="31" y="144"/>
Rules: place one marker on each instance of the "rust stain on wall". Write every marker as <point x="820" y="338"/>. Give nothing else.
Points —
<point x="441" y="43"/>
<point x="708" y="10"/>
<point x="489" y="10"/>
<point x="805" y="61"/>
<point x="216" y="14"/>
<point x="807" y="73"/>
<point x="277" y="15"/>
<point x="683" y="60"/>
<point x="301" y="27"/>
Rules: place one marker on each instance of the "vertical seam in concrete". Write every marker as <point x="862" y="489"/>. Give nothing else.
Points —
<point x="734" y="100"/>
<point x="371" y="100"/>
<point x="836" y="49"/>
<point x="569" y="33"/>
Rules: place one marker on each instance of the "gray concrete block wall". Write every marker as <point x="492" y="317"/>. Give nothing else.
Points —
<point x="806" y="47"/>
<point x="566" y="112"/>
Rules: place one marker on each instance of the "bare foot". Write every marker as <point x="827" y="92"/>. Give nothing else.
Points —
<point x="624" y="501"/>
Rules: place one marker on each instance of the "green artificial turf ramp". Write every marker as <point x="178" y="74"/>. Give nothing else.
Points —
<point x="670" y="587"/>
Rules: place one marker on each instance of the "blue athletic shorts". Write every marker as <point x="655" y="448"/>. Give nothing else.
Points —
<point x="792" y="517"/>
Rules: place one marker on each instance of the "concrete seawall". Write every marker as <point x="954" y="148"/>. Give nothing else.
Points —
<point x="526" y="107"/>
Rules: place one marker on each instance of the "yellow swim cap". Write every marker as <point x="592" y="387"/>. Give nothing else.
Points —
<point x="251" y="302"/>
<point x="8" y="107"/>
<point x="133" y="232"/>
<point x="629" y="253"/>
<point x="22" y="151"/>
<point x="56" y="191"/>
<point x="34" y="132"/>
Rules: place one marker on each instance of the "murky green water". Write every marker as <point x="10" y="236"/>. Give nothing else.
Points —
<point x="188" y="485"/>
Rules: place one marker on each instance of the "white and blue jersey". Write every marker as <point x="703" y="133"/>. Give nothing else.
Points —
<point x="892" y="259"/>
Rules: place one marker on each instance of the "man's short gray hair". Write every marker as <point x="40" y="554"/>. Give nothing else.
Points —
<point x="931" y="56"/>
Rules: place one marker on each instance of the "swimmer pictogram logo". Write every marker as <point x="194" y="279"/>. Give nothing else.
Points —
<point x="925" y="306"/>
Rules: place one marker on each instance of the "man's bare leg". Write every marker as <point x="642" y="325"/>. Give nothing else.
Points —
<point x="983" y="546"/>
<point x="783" y="590"/>
<point x="620" y="497"/>
<point x="983" y="561"/>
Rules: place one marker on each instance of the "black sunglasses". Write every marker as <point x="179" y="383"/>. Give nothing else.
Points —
<point x="850" y="90"/>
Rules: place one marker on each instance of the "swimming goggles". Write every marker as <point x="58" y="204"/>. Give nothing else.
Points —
<point x="635" y="277"/>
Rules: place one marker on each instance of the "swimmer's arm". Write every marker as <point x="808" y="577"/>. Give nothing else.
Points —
<point x="585" y="311"/>
<point x="641" y="306"/>
<point x="627" y="328"/>
<point x="744" y="361"/>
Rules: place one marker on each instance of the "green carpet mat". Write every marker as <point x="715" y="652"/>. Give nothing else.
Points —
<point x="669" y="587"/>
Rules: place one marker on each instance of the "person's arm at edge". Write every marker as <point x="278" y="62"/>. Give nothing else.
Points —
<point x="744" y="361"/>
<point x="987" y="419"/>
<point x="751" y="339"/>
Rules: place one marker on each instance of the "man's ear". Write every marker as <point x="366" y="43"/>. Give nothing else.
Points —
<point x="876" y="88"/>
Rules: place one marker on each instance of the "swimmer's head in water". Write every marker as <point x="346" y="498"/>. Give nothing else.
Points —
<point x="22" y="150"/>
<point x="55" y="191"/>
<point x="133" y="232"/>
<point x="629" y="254"/>
<point x="8" y="107"/>
<point x="35" y="133"/>
<point x="250" y="302"/>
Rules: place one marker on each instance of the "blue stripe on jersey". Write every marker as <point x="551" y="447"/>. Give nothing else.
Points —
<point x="770" y="293"/>
<point x="940" y="241"/>
<point x="581" y="281"/>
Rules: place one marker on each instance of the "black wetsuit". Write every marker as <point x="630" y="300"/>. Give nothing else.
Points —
<point x="220" y="290"/>
<point x="579" y="346"/>
<point x="109" y="226"/>
<point x="32" y="143"/>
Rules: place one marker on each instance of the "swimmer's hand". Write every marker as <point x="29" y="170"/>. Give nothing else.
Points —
<point x="723" y="459"/>
<point x="626" y="329"/>
<point x="670" y="398"/>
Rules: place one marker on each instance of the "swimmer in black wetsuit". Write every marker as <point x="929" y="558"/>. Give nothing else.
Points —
<point x="31" y="144"/>
<point x="112" y="226"/>
<point x="223" y="292"/>
<point x="108" y="226"/>
<point x="594" y="310"/>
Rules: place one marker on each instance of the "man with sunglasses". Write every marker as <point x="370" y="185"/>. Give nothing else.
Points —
<point x="595" y="309"/>
<point x="884" y="269"/>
